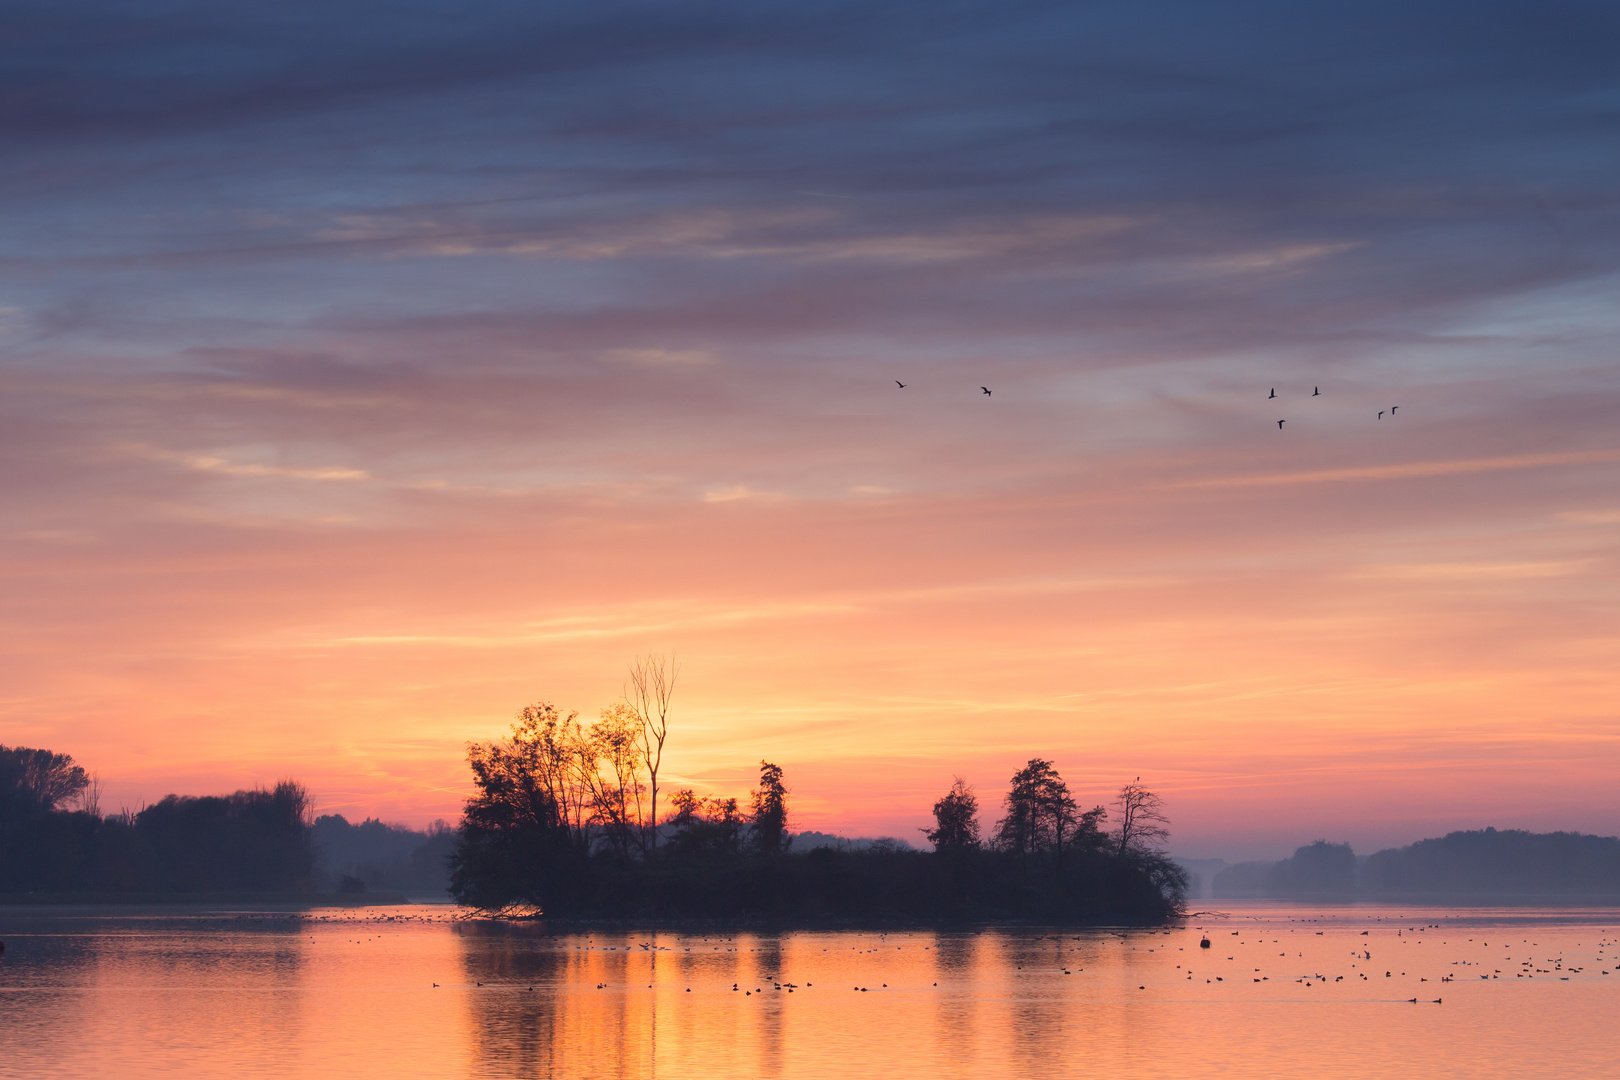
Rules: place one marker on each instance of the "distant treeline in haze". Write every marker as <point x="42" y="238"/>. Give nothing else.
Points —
<point x="54" y="839"/>
<point x="375" y="856"/>
<point x="1483" y="863"/>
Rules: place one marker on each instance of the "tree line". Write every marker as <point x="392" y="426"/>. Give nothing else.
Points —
<point x="569" y="820"/>
<point x="371" y="855"/>
<point x="55" y="839"/>
<point x="1478" y="863"/>
<point x="565" y="823"/>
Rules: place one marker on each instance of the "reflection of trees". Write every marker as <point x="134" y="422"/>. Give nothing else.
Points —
<point x="566" y="1026"/>
<point x="1042" y="1019"/>
<point x="179" y="963"/>
<point x="512" y="1029"/>
<point x="956" y="960"/>
<point x="985" y="1016"/>
<point x="768" y="968"/>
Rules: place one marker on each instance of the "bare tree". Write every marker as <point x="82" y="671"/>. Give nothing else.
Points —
<point x="652" y="685"/>
<point x="89" y="798"/>
<point x="1141" y="819"/>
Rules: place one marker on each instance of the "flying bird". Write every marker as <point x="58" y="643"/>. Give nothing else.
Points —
<point x="1280" y="423"/>
<point x="900" y="384"/>
<point x="1380" y="414"/>
<point x="1273" y="393"/>
<point x="1392" y="409"/>
<point x="986" y="390"/>
<point x="1317" y="392"/>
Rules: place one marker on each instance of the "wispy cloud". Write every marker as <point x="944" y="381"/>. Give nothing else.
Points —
<point x="1591" y="517"/>
<point x="742" y="493"/>
<point x="205" y="463"/>
<point x="664" y="619"/>
<point x="223" y="466"/>
<point x="1476" y="571"/>
<point x="1409" y="470"/>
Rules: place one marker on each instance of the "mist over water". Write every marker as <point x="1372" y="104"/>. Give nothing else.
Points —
<point x="1284" y="990"/>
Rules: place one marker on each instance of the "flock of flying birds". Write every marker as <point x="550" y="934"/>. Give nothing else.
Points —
<point x="1316" y="391"/>
<point x="902" y="386"/>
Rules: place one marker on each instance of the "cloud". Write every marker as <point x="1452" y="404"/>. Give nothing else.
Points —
<point x="742" y="493"/>
<point x="1477" y="571"/>
<point x="686" y="616"/>
<point x="224" y="466"/>
<point x="659" y="357"/>
<point x="583" y="319"/>
<point x="1410" y="470"/>
<point x="204" y="463"/>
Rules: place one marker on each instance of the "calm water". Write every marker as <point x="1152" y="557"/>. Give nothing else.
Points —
<point x="1523" y="993"/>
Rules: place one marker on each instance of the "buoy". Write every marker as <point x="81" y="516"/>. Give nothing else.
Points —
<point x="1204" y="944"/>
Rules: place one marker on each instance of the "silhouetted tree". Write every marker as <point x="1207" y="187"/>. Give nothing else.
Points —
<point x="613" y="767"/>
<point x="652" y="685"/>
<point x="770" y="818"/>
<point x="559" y="818"/>
<point x="956" y="817"/>
<point x="536" y="775"/>
<point x="526" y="828"/>
<point x="1141" y="819"/>
<point x="704" y="825"/>
<point x="1042" y="816"/>
<point x="686" y="811"/>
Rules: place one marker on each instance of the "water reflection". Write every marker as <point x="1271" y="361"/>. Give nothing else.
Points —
<point x="411" y="993"/>
<point x="957" y="959"/>
<point x="109" y="981"/>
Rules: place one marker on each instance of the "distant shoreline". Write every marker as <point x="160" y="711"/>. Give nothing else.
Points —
<point x="294" y="901"/>
<point x="575" y="924"/>
<point x="1457" y="900"/>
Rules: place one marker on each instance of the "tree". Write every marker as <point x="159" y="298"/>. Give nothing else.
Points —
<point x="37" y="781"/>
<point x="536" y="776"/>
<point x="1041" y="813"/>
<point x="89" y="797"/>
<point x="652" y="684"/>
<point x="525" y="829"/>
<point x="686" y="809"/>
<point x="770" y="818"/>
<point x="704" y="824"/>
<point x="612" y="768"/>
<point x="956" y="816"/>
<point x="1141" y="820"/>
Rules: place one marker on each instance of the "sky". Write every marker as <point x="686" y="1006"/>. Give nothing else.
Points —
<point x="369" y="371"/>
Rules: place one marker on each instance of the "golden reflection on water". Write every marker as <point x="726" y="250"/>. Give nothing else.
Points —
<point x="1283" y="992"/>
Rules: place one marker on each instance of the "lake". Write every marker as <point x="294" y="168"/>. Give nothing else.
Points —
<point x="1284" y="990"/>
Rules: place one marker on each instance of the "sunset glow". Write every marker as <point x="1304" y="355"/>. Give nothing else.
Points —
<point x="339" y="425"/>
